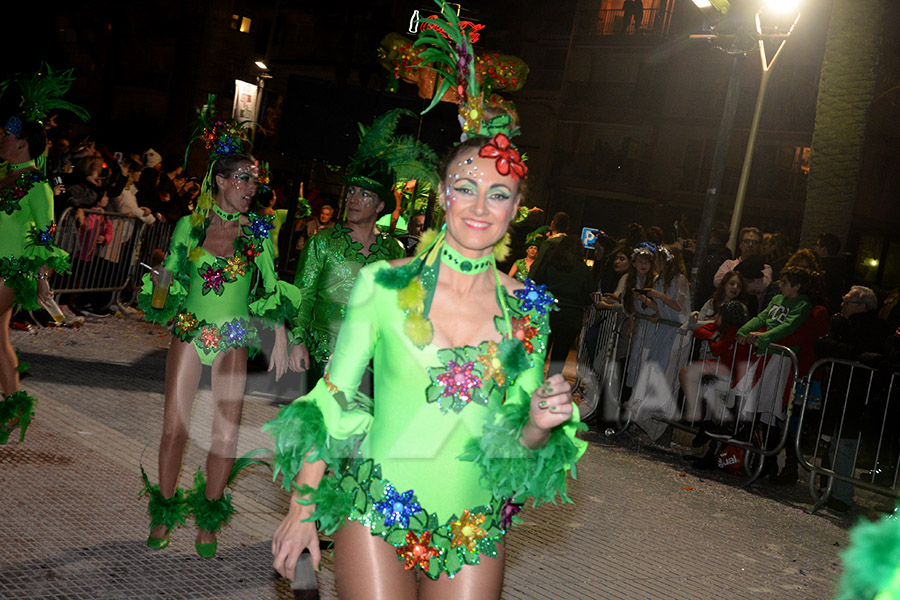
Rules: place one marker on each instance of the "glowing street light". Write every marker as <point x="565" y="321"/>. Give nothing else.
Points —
<point x="757" y="113"/>
<point x="261" y="65"/>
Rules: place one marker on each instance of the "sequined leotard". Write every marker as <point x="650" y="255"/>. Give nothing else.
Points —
<point x="212" y="298"/>
<point x="28" y="236"/>
<point x="434" y="464"/>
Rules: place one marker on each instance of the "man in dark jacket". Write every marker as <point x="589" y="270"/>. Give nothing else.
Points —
<point x="856" y="330"/>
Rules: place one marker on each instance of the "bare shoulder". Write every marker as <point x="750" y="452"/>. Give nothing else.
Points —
<point x="510" y="283"/>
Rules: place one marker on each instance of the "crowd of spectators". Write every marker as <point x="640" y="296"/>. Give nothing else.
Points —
<point x="768" y="293"/>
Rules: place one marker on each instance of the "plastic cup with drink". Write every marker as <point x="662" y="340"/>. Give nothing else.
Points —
<point x="161" y="285"/>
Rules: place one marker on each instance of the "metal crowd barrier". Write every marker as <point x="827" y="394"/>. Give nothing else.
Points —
<point x="105" y="251"/>
<point x="749" y="410"/>
<point x="850" y="434"/>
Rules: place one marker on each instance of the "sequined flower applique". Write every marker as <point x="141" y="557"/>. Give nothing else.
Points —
<point x="467" y="530"/>
<point x="185" y="324"/>
<point x="535" y="297"/>
<point x="234" y="332"/>
<point x="209" y="337"/>
<point x="46" y="236"/>
<point x="235" y="267"/>
<point x="492" y="368"/>
<point x="259" y="227"/>
<point x="397" y="508"/>
<point x="213" y="280"/>
<point x="417" y="550"/>
<point x="509" y="161"/>
<point x="458" y="385"/>
<point x="524" y="331"/>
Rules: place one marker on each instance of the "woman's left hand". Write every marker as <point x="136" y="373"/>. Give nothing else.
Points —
<point x="279" y="359"/>
<point x="551" y="404"/>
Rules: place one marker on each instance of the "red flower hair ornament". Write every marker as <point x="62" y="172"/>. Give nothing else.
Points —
<point x="509" y="161"/>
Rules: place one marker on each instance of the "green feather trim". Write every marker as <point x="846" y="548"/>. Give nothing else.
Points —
<point x="299" y="434"/>
<point x="513" y="357"/>
<point x="425" y="240"/>
<point x="209" y="515"/>
<point x="171" y="512"/>
<point x="871" y="561"/>
<point x="333" y="503"/>
<point x="510" y="469"/>
<point x="16" y="406"/>
<point x="245" y="461"/>
<point x="396" y="278"/>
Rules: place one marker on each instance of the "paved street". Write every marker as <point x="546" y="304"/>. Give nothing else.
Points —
<point x="644" y="525"/>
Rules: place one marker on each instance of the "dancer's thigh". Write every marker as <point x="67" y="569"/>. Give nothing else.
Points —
<point x="366" y="567"/>
<point x="473" y="582"/>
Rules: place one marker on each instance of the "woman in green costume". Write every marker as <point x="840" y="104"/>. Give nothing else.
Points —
<point x="428" y="476"/>
<point x="27" y="254"/>
<point x="222" y="268"/>
<point x="28" y="250"/>
<point x="522" y="267"/>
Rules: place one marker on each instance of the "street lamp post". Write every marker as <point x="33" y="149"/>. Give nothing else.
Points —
<point x="754" y="126"/>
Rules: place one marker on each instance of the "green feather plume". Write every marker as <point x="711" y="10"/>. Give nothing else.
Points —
<point x="333" y="503"/>
<point x="397" y="278"/>
<point x="245" y="461"/>
<point x="209" y="515"/>
<point x="42" y="93"/>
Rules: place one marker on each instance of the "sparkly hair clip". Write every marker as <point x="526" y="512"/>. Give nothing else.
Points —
<point x="666" y="253"/>
<point x="14" y="125"/>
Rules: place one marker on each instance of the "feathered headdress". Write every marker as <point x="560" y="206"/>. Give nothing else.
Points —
<point x="448" y="52"/>
<point x="383" y="161"/>
<point x="42" y="94"/>
<point x="221" y="137"/>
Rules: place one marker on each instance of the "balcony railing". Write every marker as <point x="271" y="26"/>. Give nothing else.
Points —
<point x="606" y="22"/>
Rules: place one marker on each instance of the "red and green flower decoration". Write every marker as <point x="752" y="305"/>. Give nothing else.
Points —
<point x="11" y="197"/>
<point x="209" y="338"/>
<point x="509" y="161"/>
<point x="419" y="538"/>
<point x="460" y="380"/>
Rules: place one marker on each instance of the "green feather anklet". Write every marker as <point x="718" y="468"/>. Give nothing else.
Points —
<point x="209" y="515"/>
<point x="16" y="410"/>
<point x="170" y="512"/>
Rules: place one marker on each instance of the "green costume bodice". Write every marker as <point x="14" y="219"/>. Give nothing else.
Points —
<point x="434" y="463"/>
<point x="521" y="270"/>
<point x="213" y="298"/>
<point x="326" y="271"/>
<point x="28" y="236"/>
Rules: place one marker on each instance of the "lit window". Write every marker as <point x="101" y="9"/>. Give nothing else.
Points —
<point x="242" y="24"/>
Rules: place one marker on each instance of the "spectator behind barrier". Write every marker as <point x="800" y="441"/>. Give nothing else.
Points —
<point x="758" y="275"/>
<point x="854" y="332"/>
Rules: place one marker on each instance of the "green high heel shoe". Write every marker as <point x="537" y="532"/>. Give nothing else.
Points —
<point x="16" y="410"/>
<point x="206" y="550"/>
<point x="171" y="512"/>
<point x="209" y="515"/>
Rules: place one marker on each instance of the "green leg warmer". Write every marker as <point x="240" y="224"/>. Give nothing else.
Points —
<point x="171" y="512"/>
<point x="17" y="406"/>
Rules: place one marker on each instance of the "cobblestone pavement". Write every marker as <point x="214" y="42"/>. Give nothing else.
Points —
<point x="644" y="524"/>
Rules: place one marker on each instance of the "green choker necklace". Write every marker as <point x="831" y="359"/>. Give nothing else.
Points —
<point x="23" y="165"/>
<point x="226" y="216"/>
<point x="458" y="262"/>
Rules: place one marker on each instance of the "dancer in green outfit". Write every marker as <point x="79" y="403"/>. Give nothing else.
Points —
<point x="332" y="258"/>
<point x="221" y="268"/>
<point x="28" y="250"/>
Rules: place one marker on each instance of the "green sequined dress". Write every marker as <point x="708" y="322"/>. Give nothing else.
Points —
<point x="434" y="464"/>
<point x="28" y="236"/>
<point x="212" y="298"/>
<point x="326" y="271"/>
